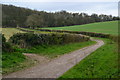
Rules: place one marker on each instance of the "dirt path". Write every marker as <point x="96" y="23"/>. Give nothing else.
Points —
<point x="39" y="59"/>
<point x="58" y="66"/>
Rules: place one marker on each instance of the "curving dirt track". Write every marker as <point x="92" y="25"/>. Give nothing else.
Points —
<point x="56" y="67"/>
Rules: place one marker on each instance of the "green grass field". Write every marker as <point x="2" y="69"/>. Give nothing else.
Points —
<point x="103" y="63"/>
<point x="8" y="32"/>
<point x="110" y="27"/>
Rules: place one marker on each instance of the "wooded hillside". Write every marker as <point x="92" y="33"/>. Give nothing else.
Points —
<point x="22" y="17"/>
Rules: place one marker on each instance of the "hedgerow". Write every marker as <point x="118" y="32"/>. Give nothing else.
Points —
<point x="92" y="34"/>
<point x="30" y="39"/>
<point x="25" y="30"/>
<point x="6" y="46"/>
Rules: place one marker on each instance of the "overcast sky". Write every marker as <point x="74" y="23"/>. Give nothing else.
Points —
<point x="109" y="7"/>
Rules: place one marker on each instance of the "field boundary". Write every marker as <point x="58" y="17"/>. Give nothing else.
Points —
<point x="91" y="34"/>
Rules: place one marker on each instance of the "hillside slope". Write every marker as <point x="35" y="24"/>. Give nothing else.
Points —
<point x="110" y="27"/>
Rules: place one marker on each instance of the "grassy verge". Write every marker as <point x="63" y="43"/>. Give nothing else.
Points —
<point x="12" y="62"/>
<point x="56" y="50"/>
<point x="100" y="64"/>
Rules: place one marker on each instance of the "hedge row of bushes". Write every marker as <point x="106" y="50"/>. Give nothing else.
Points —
<point x="25" y="30"/>
<point x="92" y="34"/>
<point x="5" y="46"/>
<point x="29" y="39"/>
<point x="114" y="38"/>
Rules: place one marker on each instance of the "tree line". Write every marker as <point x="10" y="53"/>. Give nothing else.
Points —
<point x="13" y="16"/>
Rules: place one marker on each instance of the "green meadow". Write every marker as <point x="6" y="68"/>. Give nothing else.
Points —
<point x="110" y="27"/>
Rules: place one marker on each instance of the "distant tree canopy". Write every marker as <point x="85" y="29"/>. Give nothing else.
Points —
<point x="34" y="21"/>
<point x="23" y="17"/>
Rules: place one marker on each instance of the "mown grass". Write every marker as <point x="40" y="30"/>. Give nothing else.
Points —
<point x="110" y="27"/>
<point x="103" y="63"/>
<point x="8" y="32"/>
